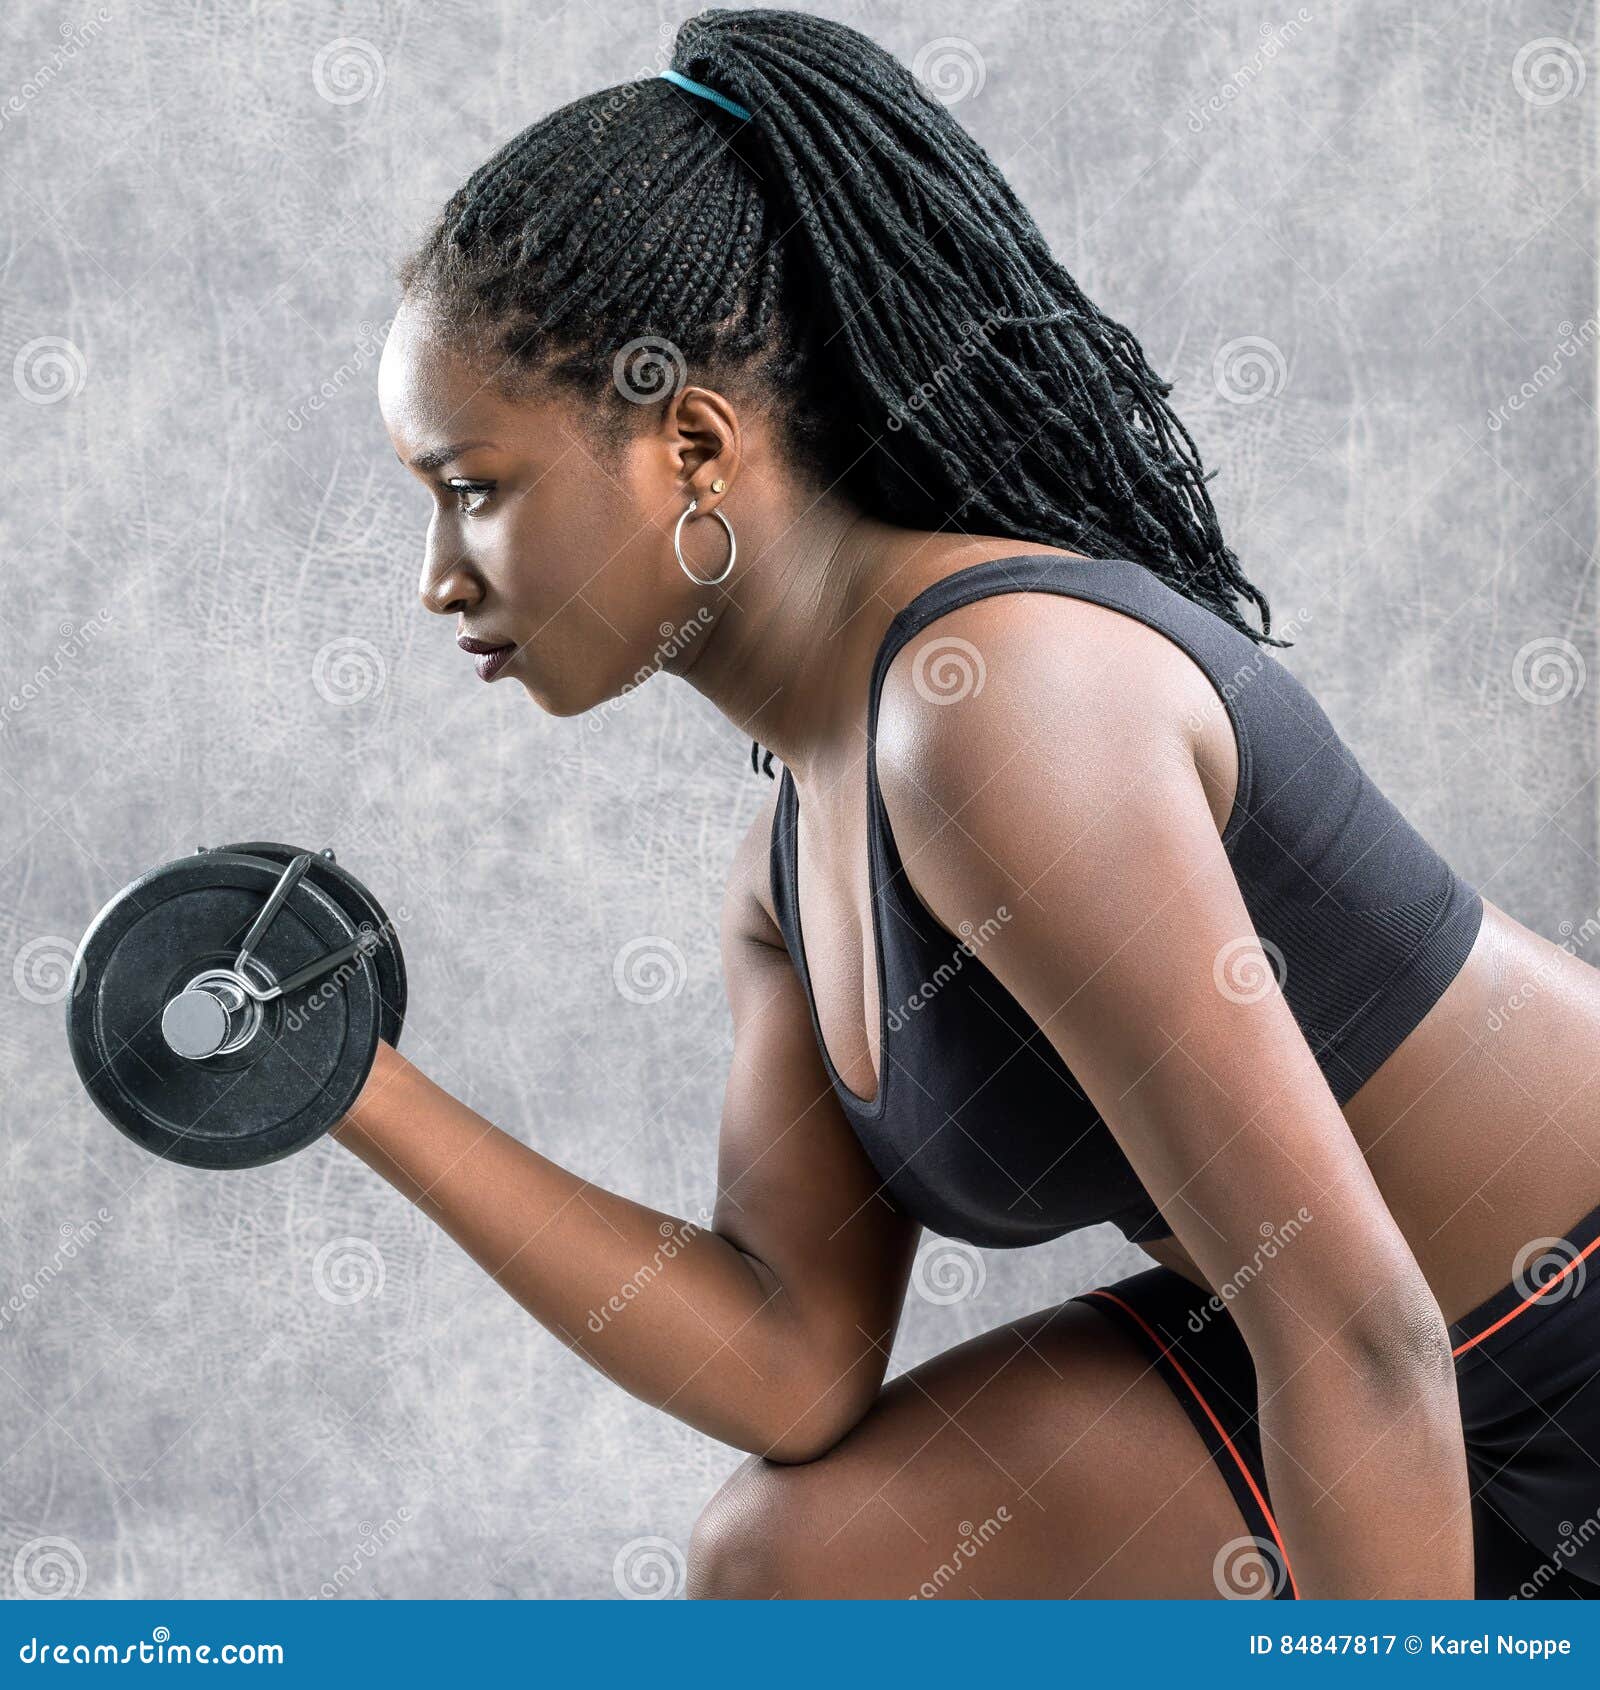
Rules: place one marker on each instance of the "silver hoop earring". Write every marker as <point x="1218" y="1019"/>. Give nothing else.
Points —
<point x="677" y="548"/>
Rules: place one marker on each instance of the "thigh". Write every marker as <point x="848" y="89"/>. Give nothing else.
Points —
<point x="1048" y="1458"/>
<point x="1528" y="1369"/>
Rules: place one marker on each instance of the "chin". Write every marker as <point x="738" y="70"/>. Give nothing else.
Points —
<point x="557" y="701"/>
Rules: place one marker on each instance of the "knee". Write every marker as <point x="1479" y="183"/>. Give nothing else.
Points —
<point x="747" y="1544"/>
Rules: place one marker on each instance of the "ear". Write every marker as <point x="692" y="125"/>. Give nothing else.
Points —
<point x="701" y="432"/>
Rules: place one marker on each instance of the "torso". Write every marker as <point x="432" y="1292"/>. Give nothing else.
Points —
<point x="1482" y="1128"/>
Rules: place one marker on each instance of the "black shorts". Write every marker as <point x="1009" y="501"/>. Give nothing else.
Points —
<point x="1528" y="1377"/>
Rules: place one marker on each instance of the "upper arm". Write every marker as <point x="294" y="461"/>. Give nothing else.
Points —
<point x="1067" y="790"/>
<point x="795" y="1191"/>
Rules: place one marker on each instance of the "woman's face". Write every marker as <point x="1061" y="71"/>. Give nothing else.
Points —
<point x="545" y="539"/>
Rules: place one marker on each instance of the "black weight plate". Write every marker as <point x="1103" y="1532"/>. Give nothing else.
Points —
<point x="294" y="1079"/>
<point x="363" y="910"/>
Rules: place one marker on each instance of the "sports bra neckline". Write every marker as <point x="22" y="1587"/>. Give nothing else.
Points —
<point x="786" y="814"/>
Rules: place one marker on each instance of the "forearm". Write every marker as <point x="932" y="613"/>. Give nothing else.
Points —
<point x="1366" y="1465"/>
<point x="669" y="1310"/>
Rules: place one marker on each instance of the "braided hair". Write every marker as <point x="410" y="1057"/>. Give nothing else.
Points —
<point x="848" y="259"/>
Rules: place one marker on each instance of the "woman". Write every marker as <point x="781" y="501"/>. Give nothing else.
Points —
<point x="1070" y="904"/>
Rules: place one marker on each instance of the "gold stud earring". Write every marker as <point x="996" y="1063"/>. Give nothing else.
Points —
<point x="719" y="485"/>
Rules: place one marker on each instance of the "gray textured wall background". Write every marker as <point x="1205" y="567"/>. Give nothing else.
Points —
<point x="1360" y="238"/>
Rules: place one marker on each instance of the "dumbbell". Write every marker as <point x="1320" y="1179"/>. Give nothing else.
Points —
<point x="226" y="1007"/>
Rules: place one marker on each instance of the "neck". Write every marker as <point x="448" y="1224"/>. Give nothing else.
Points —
<point x="771" y="662"/>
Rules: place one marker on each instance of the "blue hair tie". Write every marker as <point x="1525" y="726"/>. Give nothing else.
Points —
<point x="700" y="91"/>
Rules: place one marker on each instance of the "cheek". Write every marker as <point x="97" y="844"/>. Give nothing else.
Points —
<point x="622" y="527"/>
<point x="598" y="520"/>
<point x="571" y="539"/>
<point x="591" y="583"/>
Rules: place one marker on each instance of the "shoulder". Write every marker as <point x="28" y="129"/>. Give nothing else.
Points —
<point x="748" y="917"/>
<point x="1043" y="661"/>
<point x="1023" y="708"/>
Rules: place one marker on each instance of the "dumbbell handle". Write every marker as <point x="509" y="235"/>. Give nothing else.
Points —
<point x="313" y="970"/>
<point x="287" y="881"/>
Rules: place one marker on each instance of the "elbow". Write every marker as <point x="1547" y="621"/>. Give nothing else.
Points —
<point x="785" y="1437"/>
<point x="1395" y="1349"/>
<point x="783" y="1445"/>
<point x="809" y="1438"/>
<point x="805" y="1424"/>
<point x="797" y="1451"/>
<point x="1406" y="1349"/>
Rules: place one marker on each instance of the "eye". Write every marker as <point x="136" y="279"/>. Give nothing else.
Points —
<point x="470" y="495"/>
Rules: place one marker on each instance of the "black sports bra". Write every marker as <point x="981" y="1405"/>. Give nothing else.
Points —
<point x="978" y="1130"/>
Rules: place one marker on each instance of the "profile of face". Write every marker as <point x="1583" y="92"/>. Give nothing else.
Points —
<point x="550" y="536"/>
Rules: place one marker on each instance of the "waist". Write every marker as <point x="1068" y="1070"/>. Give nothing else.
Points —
<point x="1482" y="1127"/>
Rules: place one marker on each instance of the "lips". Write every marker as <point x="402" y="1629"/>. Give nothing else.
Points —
<point x="492" y="655"/>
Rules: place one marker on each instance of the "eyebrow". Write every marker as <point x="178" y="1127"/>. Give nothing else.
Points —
<point x="441" y="455"/>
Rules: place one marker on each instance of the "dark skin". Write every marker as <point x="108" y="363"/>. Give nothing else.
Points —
<point x="1085" y="787"/>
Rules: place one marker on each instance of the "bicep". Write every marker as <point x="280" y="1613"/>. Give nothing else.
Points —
<point x="795" y="1191"/>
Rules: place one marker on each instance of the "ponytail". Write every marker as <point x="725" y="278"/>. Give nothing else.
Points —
<point x="991" y="393"/>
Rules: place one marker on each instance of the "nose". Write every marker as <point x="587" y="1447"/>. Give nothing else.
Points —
<point x="447" y="588"/>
